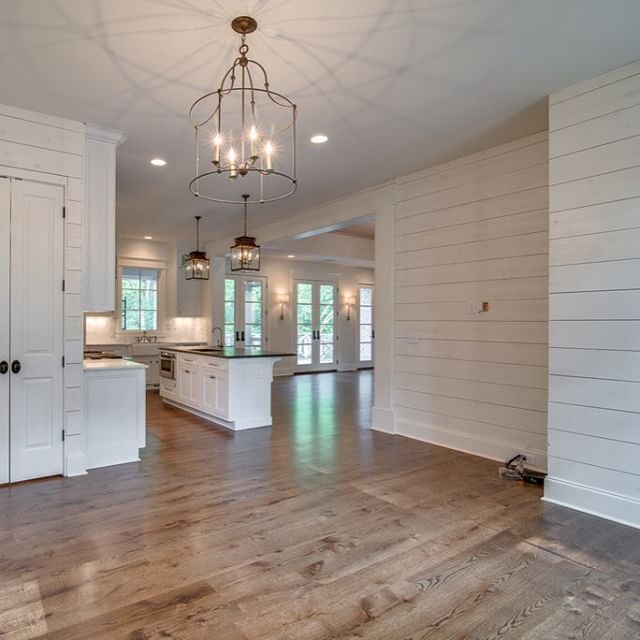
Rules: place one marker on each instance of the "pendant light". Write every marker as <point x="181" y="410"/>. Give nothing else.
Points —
<point x="196" y="266"/>
<point x="245" y="253"/>
<point x="245" y="133"/>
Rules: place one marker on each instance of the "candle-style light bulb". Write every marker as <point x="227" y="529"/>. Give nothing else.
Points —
<point x="217" y="143"/>
<point x="268" y="150"/>
<point x="253" y="139"/>
<point x="233" y="167"/>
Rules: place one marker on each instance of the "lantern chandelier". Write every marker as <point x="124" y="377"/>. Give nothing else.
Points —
<point x="196" y="265"/>
<point x="245" y="134"/>
<point x="245" y="253"/>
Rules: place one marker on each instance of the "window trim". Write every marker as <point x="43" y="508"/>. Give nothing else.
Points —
<point x="154" y="265"/>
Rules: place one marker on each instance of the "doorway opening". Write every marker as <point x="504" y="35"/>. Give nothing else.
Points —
<point x="320" y="300"/>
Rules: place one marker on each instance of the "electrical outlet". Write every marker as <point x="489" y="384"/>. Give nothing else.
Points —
<point x="412" y="337"/>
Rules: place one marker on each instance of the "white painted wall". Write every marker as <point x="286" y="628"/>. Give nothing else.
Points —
<point x="594" y="296"/>
<point x="473" y="230"/>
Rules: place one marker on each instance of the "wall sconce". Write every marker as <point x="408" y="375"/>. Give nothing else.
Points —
<point x="349" y="301"/>
<point x="282" y="299"/>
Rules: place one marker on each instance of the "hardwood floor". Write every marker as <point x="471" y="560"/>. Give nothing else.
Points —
<point x="317" y="528"/>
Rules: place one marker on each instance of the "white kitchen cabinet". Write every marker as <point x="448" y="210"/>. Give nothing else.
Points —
<point x="190" y="385"/>
<point x="153" y="369"/>
<point x="215" y="398"/>
<point x="168" y="388"/>
<point x="100" y="217"/>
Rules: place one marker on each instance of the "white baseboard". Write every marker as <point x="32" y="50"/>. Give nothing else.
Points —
<point x="75" y="464"/>
<point x="466" y="443"/>
<point x="603" y="504"/>
<point x="349" y="366"/>
<point x="383" y="420"/>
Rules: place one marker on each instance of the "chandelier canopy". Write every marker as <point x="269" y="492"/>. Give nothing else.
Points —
<point x="245" y="253"/>
<point x="245" y="134"/>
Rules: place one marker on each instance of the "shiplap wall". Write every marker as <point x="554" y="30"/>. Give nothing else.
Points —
<point x="475" y="229"/>
<point x="36" y="146"/>
<point x="594" y="295"/>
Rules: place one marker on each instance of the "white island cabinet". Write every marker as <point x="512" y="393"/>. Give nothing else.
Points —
<point x="115" y="405"/>
<point x="231" y="387"/>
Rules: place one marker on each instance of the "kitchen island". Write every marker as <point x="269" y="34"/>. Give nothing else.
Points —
<point x="226" y="385"/>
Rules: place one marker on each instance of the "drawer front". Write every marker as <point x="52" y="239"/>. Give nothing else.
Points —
<point x="214" y="364"/>
<point x="189" y="360"/>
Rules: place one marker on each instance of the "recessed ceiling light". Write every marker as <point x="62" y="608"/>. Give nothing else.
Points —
<point x="319" y="138"/>
<point x="148" y="237"/>
<point x="158" y="162"/>
<point x="291" y="255"/>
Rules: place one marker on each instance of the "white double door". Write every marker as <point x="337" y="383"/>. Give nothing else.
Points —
<point x="244" y="311"/>
<point x="31" y="330"/>
<point x="316" y="325"/>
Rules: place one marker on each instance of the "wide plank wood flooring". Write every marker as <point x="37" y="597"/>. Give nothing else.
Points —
<point x="315" y="529"/>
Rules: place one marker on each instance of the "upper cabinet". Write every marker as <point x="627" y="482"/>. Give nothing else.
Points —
<point x="188" y="292"/>
<point x="101" y="144"/>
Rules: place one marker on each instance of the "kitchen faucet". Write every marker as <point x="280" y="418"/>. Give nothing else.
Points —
<point x="213" y="333"/>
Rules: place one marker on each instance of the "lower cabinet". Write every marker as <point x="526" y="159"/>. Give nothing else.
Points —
<point x="199" y="385"/>
<point x="168" y="388"/>
<point x="153" y="369"/>
<point x="215" y="397"/>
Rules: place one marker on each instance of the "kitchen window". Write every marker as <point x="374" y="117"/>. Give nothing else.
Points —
<point x="139" y="299"/>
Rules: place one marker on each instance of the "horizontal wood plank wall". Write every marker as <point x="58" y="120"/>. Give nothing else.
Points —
<point x="594" y="296"/>
<point x="475" y="229"/>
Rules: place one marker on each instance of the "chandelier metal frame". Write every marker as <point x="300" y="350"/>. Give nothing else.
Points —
<point x="239" y="78"/>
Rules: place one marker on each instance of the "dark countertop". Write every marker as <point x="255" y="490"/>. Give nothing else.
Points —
<point x="231" y="352"/>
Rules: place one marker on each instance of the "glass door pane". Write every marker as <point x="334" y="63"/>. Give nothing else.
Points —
<point x="253" y="329"/>
<point x="365" y="315"/>
<point x="229" y="312"/>
<point x="327" y="314"/>
<point x="304" y="323"/>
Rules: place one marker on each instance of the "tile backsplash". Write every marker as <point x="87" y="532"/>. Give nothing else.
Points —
<point x="103" y="329"/>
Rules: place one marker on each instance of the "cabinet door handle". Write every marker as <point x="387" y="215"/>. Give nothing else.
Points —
<point x="237" y="336"/>
<point x="16" y="366"/>
<point x="187" y="371"/>
<point x="243" y="336"/>
<point x="212" y="377"/>
<point x="4" y="367"/>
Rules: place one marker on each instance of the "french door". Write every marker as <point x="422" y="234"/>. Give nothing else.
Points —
<point x="366" y="330"/>
<point x="244" y="311"/>
<point x="316" y="325"/>
<point x="31" y="330"/>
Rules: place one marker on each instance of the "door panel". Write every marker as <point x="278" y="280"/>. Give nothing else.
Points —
<point x="5" y="209"/>
<point x="36" y="410"/>
<point x="315" y="325"/>
<point x="244" y="315"/>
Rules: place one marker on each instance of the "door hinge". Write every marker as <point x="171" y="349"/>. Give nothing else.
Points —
<point x="63" y="362"/>
<point x="64" y="212"/>
<point x="63" y="285"/>
<point x="63" y="435"/>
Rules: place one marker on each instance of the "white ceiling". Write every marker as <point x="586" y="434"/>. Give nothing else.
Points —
<point x="396" y="84"/>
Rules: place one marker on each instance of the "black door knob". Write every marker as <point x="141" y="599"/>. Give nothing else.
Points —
<point x="4" y="367"/>
<point x="16" y="366"/>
